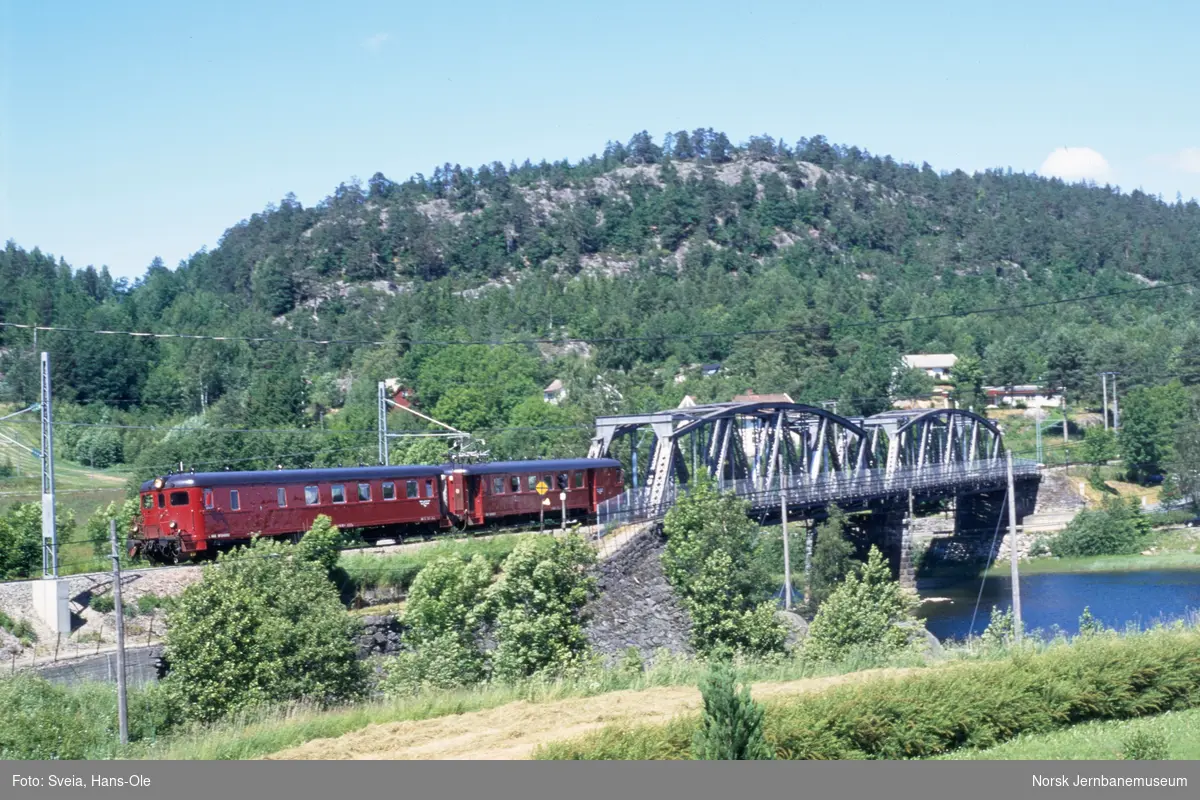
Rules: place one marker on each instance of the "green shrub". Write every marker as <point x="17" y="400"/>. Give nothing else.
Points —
<point x="711" y="559"/>
<point x="1089" y="625"/>
<point x="864" y="613"/>
<point x="968" y="705"/>
<point x="1117" y="528"/>
<point x="832" y="559"/>
<point x="322" y="544"/>
<point x="103" y="603"/>
<point x="44" y="720"/>
<point x="1145" y="745"/>
<point x="148" y="602"/>
<point x="731" y="726"/>
<point x="19" y="628"/>
<point x="444" y="614"/>
<point x="1001" y="627"/>
<point x="261" y="626"/>
<point x="537" y="603"/>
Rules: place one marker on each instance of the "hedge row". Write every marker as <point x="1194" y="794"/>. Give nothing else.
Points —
<point x="968" y="705"/>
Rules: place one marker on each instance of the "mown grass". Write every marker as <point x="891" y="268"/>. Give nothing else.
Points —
<point x="1182" y="560"/>
<point x="82" y="718"/>
<point x="976" y="705"/>
<point x="1097" y="741"/>
<point x="398" y="570"/>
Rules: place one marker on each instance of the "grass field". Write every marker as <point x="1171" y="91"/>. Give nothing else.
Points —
<point x="1097" y="740"/>
<point x="79" y="490"/>
<point x="259" y="734"/>
<point x="1173" y="548"/>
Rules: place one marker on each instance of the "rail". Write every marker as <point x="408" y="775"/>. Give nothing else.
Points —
<point x="801" y="492"/>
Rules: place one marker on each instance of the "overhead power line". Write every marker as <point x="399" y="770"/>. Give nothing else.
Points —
<point x="611" y="339"/>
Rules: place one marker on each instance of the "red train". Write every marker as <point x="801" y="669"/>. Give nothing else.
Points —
<point x="191" y="514"/>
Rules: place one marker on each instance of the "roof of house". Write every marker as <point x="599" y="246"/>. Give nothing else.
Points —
<point x="931" y="360"/>
<point x="687" y="402"/>
<point x="749" y="396"/>
<point x="1021" y="388"/>
<point x="710" y="367"/>
<point x="555" y="386"/>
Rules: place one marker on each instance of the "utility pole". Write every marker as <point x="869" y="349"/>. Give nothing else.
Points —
<point x="1066" y="424"/>
<point x="381" y="424"/>
<point x="49" y="534"/>
<point x="1012" y="552"/>
<point x="1116" y="408"/>
<point x="1104" y="389"/>
<point x="122" y="708"/>
<point x="1037" y="421"/>
<point x="787" y="553"/>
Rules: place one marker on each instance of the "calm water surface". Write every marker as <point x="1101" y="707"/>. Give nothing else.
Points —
<point x="1114" y="598"/>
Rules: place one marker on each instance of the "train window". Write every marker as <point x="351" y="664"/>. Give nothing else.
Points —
<point x="549" y="481"/>
<point x="515" y="483"/>
<point x="389" y="490"/>
<point x="531" y="483"/>
<point x="312" y="495"/>
<point x="281" y="497"/>
<point x="497" y="485"/>
<point x="364" y="492"/>
<point x="410" y="489"/>
<point x="179" y="498"/>
<point x="161" y="501"/>
<point x="579" y="479"/>
<point x="147" y="501"/>
<point x="208" y="498"/>
<point x="235" y="502"/>
<point x="339" y="493"/>
<point x="428" y="487"/>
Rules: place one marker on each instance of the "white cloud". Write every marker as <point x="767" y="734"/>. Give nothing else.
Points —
<point x="1076" y="164"/>
<point x="374" y="43"/>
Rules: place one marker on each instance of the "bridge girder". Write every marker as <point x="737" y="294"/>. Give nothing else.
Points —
<point x="743" y="442"/>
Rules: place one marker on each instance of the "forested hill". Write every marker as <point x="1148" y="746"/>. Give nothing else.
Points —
<point x="657" y="254"/>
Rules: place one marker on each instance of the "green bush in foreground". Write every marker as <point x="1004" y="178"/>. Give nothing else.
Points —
<point x="731" y="728"/>
<point x="862" y="614"/>
<point x="1144" y="745"/>
<point x="262" y="626"/>
<point x="972" y="705"/>
<point x="43" y="720"/>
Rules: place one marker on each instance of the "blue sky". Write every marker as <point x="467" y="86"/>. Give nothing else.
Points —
<point x="135" y="129"/>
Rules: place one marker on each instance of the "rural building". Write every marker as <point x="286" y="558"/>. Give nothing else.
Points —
<point x="555" y="392"/>
<point x="936" y="365"/>
<point x="400" y="394"/>
<point x="1030" y="395"/>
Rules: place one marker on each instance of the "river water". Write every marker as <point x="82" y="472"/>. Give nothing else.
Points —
<point x="1057" y="599"/>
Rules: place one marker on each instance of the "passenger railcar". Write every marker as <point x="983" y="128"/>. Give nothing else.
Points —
<point x="507" y="490"/>
<point x="190" y="514"/>
<point x="186" y="514"/>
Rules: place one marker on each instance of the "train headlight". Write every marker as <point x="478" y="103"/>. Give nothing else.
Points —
<point x="174" y="525"/>
<point x="158" y="483"/>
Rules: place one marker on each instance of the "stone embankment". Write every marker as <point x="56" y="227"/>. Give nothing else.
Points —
<point x="636" y="606"/>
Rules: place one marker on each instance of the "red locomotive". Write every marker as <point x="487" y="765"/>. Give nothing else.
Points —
<point x="191" y="514"/>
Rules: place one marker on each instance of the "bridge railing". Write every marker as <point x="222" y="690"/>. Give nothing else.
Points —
<point x="801" y="491"/>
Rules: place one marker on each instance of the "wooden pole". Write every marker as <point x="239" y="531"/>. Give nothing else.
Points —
<point x="787" y="553"/>
<point x="1012" y="552"/>
<point x="122" y="709"/>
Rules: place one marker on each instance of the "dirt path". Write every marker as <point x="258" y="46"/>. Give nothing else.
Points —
<point x="513" y="731"/>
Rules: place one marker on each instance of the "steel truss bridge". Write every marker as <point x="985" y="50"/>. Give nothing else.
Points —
<point x="771" y="451"/>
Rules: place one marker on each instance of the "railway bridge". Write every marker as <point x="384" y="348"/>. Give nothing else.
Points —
<point x="778" y="454"/>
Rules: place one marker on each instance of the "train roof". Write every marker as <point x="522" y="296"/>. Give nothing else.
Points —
<point x="190" y="480"/>
<point x="536" y="466"/>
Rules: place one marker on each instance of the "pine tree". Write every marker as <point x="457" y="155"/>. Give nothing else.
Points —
<point x="731" y="729"/>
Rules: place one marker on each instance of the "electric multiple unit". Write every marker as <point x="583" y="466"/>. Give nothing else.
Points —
<point x="192" y="514"/>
